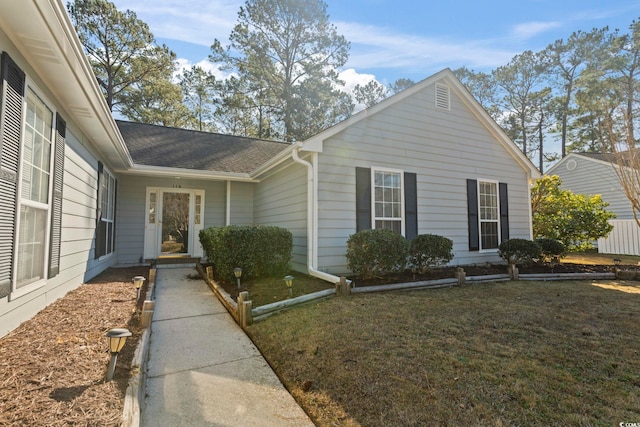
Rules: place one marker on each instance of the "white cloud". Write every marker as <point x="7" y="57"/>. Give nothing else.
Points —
<point x="528" y="30"/>
<point x="351" y="78"/>
<point x="378" y="47"/>
<point x="196" y="21"/>
<point x="185" y="64"/>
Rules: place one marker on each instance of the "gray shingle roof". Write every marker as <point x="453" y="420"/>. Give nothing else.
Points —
<point x="153" y="145"/>
<point x="625" y="158"/>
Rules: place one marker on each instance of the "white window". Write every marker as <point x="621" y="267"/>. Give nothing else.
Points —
<point x="34" y="182"/>
<point x="106" y="228"/>
<point x="198" y="212"/>
<point x="489" y="214"/>
<point x="388" y="200"/>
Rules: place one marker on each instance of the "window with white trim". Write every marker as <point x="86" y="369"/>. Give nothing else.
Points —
<point x="33" y="201"/>
<point x="106" y="228"/>
<point x="489" y="214"/>
<point x="388" y="203"/>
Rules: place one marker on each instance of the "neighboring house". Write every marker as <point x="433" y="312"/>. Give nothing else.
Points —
<point x="427" y="160"/>
<point x="591" y="174"/>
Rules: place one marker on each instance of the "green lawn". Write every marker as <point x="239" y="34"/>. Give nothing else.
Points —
<point x="513" y="353"/>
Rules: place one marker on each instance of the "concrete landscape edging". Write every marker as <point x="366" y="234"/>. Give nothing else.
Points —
<point x="136" y="388"/>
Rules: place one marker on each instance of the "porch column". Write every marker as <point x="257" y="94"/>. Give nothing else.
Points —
<point x="228" y="212"/>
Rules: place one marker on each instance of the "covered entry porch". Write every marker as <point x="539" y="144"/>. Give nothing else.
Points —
<point x="160" y="218"/>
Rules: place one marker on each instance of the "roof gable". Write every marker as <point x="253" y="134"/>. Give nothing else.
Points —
<point x="607" y="159"/>
<point x="446" y="76"/>
<point x="160" y="146"/>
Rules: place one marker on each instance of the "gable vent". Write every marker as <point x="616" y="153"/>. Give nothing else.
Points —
<point x="443" y="100"/>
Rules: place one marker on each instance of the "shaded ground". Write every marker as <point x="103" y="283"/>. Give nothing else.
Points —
<point x="52" y="366"/>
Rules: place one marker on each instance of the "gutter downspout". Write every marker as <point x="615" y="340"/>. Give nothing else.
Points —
<point x="312" y="225"/>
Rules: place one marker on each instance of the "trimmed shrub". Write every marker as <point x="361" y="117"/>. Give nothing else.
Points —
<point x="519" y="251"/>
<point x="260" y="251"/>
<point x="550" y="248"/>
<point x="374" y="253"/>
<point x="430" y="250"/>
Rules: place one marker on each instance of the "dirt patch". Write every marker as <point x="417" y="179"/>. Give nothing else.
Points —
<point x="485" y="270"/>
<point x="52" y="367"/>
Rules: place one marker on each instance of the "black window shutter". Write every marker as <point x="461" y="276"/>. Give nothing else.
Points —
<point x="100" y="224"/>
<point x="11" y="101"/>
<point x="56" y="202"/>
<point x="410" y="205"/>
<point x="472" y="215"/>
<point x="363" y="199"/>
<point x="504" y="212"/>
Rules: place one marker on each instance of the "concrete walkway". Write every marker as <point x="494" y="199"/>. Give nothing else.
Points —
<point x="203" y="370"/>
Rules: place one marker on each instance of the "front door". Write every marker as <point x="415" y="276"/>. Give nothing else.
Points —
<point x="173" y="222"/>
<point x="174" y="238"/>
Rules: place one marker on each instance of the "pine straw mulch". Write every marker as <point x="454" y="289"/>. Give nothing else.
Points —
<point x="52" y="367"/>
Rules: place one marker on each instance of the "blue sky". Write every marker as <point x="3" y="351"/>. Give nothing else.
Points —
<point x="400" y="38"/>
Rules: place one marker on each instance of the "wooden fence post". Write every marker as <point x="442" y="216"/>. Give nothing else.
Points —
<point x="147" y="313"/>
<point x="210" y="272"/>
<point x="513" y="272"/>
<point x="343" y="288"/>
<point x="247" y="316"/>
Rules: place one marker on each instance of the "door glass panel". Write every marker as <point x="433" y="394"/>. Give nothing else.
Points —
<point x="175" y="223"/>
<point x="152" y="208"/>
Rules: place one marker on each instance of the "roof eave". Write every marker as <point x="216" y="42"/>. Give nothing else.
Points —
<point x="180" y="173"/>
<point x="43" y="33"/>
<point x="274" y="161"/>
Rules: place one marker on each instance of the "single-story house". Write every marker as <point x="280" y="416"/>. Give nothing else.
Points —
<point x="82" y="192"/>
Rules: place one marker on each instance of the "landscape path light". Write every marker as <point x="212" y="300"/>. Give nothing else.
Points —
<point x="138" y="281"/>
<point x="288" y="280"/>
<point x="238" y="273"/>
<point x="116" y="339"/>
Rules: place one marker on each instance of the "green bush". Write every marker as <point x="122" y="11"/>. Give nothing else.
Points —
<point x="260" y="251"/>
<point x="519" y="251"/>
<point x="550" y="248"/>
<point x="373" y="253"/>
<point x="428" y="250"/>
